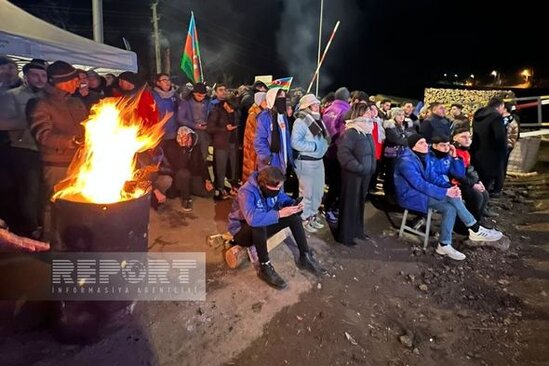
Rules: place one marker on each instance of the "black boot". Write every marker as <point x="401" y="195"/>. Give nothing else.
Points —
<point x="268" y="274"/>
<point x="308" y="262"/>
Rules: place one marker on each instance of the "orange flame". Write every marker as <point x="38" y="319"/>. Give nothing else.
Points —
<point x="106" y="162"/>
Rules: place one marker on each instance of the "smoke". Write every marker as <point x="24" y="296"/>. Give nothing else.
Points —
<point x="297" y="38"/>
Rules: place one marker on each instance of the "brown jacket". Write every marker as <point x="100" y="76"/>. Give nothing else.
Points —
<point x="512" y="134"/>
<point x="249" y="164"/>
<point x="55" y="121"/>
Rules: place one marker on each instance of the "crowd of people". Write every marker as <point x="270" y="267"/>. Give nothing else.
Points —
<point x="288" y="159"/>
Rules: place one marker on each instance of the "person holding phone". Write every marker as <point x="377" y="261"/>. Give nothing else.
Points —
<point x="260" y="210"/>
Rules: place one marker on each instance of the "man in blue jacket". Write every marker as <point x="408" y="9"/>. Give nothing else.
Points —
<point x="262" y="209"/>
<point x="415" y="192"/>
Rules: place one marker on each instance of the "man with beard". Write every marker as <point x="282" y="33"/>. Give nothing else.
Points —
<point x="193" y="113"/>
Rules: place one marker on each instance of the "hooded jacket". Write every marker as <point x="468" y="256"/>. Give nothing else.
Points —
<point x="263" y="137"/>
<point x="413" y="188"/>
<point x="489" y="147"/>
<point x="251" y="206"/>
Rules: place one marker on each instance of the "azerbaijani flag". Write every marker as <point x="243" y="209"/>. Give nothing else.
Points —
<point x="191" y="64"/>
<point x="283" y="83"/>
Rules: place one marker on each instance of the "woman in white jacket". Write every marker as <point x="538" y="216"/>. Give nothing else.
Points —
<point x="310" y="140"/>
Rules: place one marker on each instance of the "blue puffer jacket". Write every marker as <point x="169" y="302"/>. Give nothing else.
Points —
<point x="412" y="186"/>
<point x="303" y="140"/>
<point x="441" y="170"/>
<point x="252" y="207"/>
<point x="262" y="143"/>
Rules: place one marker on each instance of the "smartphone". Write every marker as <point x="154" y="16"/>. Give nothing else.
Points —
<point x="298" y="200"/>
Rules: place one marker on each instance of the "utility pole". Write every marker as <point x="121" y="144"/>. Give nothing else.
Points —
<point x="97" y="8"/>
<point x="156" y="36"/>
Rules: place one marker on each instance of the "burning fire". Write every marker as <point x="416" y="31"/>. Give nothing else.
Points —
<point x="106" y="162"/>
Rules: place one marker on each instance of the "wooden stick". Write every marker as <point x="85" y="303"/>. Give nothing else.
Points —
<point x="323" y="56"/>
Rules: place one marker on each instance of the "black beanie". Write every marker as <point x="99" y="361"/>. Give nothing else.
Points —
<point x="60" y="71"/>
<point x="413" y="139"/>
<point x="200" y="88"/>
<point x="440" y="138"/>
<point x="131" y="77"/>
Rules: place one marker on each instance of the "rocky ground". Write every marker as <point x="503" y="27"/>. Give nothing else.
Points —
<point x="385" y="302"/>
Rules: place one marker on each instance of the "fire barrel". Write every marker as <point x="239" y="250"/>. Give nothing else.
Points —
<point x="91" y="227"/>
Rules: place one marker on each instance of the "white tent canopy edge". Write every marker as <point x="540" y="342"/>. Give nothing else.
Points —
<point x="24" y="36"/>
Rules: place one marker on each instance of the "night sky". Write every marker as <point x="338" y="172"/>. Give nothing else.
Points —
<point x="391" y="47"/>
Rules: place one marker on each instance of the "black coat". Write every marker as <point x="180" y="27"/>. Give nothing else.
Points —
<point x="489" y="148"/>
<point x="218" y="120"/>
<point x="435" y="126"/>
<point x="356" y="153"/>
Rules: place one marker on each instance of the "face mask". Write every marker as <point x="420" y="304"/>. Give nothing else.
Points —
<point x="269" y="193"/>
<point x="280" y="105"/>
<point x="316" y="115"/>
<point x="461" y="147"/>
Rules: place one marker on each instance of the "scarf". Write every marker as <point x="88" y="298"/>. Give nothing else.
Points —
<point x="363" y="125"/>
<point x="163" y="94"/>
<point x="275" y="132"/>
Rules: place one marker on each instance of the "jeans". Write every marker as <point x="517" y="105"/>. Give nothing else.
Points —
<point x="204" y="140"/>
<point x="248" y="236"/>
<point x="333" y="179"/>
<point x="221" y="157"/>
<point x="311" y="185"/>
<point x="449" y="208"/>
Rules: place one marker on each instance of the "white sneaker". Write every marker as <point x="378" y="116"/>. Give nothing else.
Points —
<point x="314" y="222"/>
<point x="450" y="252"/>
<point x="308" y="227"/>
<point x="484" y="234"/>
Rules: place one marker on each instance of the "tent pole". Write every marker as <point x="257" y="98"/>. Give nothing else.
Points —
<point x="97" y="6"/>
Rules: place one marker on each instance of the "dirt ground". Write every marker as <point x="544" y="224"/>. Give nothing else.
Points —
<point x="385" y="302"/>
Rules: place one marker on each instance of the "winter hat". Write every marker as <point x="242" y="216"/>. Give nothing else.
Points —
<point x="307" y="100"/>
<point x="130" y="77"/>
<point x="413" y="139"/>
<point x="271" y="97"/>
<point x="459" y="130"/>
<point x="342" y="94"/>
<point x="60" y="71"/>
<point x="259" y="97"/>
<point x="200" y="88"/>
<point x="440" y="138"/>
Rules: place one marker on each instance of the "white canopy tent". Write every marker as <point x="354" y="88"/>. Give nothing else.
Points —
<point x="24" y="36"/>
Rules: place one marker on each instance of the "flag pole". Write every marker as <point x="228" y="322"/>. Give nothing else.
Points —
<point x="198" y="48"/>
<point x="323" y="56"/>
<point x="319" y="43"/>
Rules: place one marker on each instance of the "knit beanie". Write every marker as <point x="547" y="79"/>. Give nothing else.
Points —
<point x="60" y="71"/>
<point x="413" y="139"/>
<point x="342" y="94"/>
<point x="130" y="77"/>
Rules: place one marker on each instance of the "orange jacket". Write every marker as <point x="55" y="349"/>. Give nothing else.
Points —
<point x="249" y="164"/>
